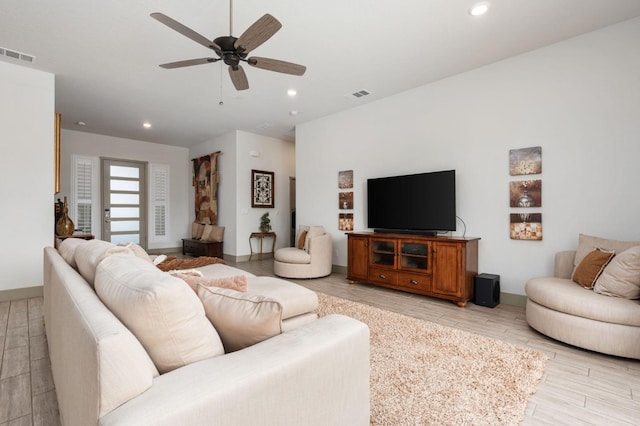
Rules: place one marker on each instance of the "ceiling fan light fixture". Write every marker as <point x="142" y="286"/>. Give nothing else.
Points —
<point x="479" y="9"/>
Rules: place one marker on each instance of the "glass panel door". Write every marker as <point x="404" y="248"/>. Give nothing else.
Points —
<point x="415" y="255"/>
<point x="124" y="202"/>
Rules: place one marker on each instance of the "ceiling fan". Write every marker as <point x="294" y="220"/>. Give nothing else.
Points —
<point x="232" y="51"/>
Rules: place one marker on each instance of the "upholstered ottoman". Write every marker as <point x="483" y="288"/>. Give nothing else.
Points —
<point x="298" y="303"/>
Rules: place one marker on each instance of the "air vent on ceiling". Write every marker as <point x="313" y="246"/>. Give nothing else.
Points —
<point x="17" y="55"/>
<point x="264" y="126"/>
<point x="360" y="93"/>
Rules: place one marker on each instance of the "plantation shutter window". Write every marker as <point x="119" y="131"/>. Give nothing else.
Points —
<point x="159" y="203"/>
<point x="84" y="209"/>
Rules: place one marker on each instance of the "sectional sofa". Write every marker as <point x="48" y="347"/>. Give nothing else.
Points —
<point x="132" y="345"/>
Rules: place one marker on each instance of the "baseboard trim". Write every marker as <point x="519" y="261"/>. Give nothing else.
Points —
<point x="21" y="293"/>
<point x="513" y="299"/>
<point x="338" y="269"/>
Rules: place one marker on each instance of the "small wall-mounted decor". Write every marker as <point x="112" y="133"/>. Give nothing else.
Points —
<point x="525" y="161"/>
<point x="525" y="193"/>
<point x="345" y="222"/>
<point x="345" y="200"/>
<point x="526" y="226"/>
<point x="262" y="189"/>
<point x="345" y="179"/>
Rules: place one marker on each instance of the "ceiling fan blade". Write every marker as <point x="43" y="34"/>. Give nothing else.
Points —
<point x="189" y="62"/>
<point x="259" y="32"/>
<point x="185" y="31"/>
<point x="277" y="65"/>
<point x="239" y="78"/>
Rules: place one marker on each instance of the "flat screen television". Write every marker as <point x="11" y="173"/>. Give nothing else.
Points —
<point x="423" y="203"/>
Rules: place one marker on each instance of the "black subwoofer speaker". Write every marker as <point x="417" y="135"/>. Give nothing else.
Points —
<point x="487" y="290"/>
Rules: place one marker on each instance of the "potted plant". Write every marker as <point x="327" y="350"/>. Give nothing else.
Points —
<point x="265" y="223"/>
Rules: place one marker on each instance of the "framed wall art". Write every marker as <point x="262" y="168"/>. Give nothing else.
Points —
<point x="525" y="161"/>
<point x="345" y="200"/>
<point x="526" y="226"/>
<point x="345" y="222"/>
<point x="345" y="179"/>
<point x="525" y="193"/>
<point x="262" y="189"/>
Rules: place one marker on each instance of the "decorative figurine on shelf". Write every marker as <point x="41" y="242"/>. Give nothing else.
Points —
<point x="265" y="223"/>
<point x="65" y="224"/>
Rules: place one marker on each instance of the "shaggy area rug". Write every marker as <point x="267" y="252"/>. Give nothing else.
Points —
<point x="427" y="374"/>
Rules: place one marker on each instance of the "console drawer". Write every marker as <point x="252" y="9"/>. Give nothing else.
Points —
<point x="383" y="276"/>
<point x="414" y="281"/>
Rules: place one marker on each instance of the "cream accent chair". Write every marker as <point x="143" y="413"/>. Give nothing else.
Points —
<point x="311" y="258"/>
<point x="559" y="308"/>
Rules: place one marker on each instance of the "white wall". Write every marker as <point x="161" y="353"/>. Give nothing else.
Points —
<point x="579" y="100"/>
<point x="26" y="171"/>
<point x="94" y="145"/>
<point x="234" y="207"/>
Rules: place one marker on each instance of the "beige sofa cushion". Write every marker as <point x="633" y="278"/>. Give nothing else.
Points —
<point x="137" y="250"/>
<point x="160" y="310"/>
<point x="292" y="255"/>
<point x="563" y="295"/>
<point x="588" y="243"/>
<point x="241" y="319"/>
<point x="295" y="299"/>
<point x="87" y="257"/>
<point x="621" y="278"/>
<point x="314" y="231"/>
<point x="67" y="250"/>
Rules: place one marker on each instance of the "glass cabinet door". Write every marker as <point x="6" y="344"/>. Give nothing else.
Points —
<point x="414" y="255"/>
<point x="383" y="252"/>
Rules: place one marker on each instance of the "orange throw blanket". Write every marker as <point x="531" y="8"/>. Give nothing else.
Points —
<point x="172" y="263"/>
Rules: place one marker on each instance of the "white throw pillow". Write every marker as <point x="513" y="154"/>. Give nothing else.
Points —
<point x="87" y="257"/>
<point x="241" y="319"/>
<point x="67" y="249"/>
<point x="621" y="277"/>
<point x="314" y="231"/>
<point x="160" y="310"/>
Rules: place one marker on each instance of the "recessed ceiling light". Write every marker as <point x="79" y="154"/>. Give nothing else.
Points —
<point x="81" y="123"/>
<point x="146" y="125"/>
<point x="292" y="92"/>
<point x="479" y="9"/>
<point x="293" y="112"/>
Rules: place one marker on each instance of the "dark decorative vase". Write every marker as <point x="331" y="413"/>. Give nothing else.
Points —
<point x="65" y="224"/>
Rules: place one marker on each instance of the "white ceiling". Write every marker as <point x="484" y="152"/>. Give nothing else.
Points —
<point x="105" y="55"/>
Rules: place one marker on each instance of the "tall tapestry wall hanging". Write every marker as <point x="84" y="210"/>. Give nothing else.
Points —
<point x="205" y="181"/>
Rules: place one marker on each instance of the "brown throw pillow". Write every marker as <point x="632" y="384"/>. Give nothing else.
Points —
<point x="199" y="231"/>
<point x="217" y="233"/>
<point x="590" y="268"/>
<point x="301" y="239"/>
<point x="206" y="232"/>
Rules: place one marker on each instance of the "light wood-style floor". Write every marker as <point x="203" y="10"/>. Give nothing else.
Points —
<point x="579" y="387"/>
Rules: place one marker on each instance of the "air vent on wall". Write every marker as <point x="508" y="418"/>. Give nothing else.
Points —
<point x="17" y="55"/>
